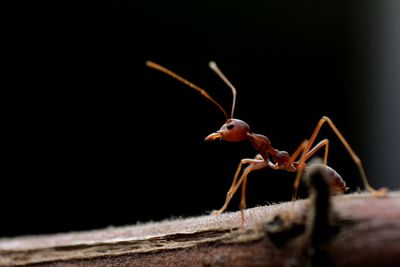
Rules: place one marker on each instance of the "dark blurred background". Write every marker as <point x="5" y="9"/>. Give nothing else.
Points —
<point x="93" y="138"/>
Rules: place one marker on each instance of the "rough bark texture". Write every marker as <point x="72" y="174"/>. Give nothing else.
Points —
<point x="361" y="231"/>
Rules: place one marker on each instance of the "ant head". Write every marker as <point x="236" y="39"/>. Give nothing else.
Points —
<point x="233" y="130"/>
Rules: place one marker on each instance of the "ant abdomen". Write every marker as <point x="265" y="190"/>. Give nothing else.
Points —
<point x="337" y="184"/>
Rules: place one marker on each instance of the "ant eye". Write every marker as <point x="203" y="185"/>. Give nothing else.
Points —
<point x="230" y="126"/>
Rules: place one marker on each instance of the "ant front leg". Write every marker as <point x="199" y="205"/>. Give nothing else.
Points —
<point x="255" y="164"/>
<point x="243" y="178"/>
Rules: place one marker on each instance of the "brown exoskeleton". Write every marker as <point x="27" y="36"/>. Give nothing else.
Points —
<point x="235" y="130"/>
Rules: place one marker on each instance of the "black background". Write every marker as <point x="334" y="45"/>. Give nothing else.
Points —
<point x="94" y="138"/>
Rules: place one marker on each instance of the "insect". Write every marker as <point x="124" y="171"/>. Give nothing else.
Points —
<point x="235" y="130"/>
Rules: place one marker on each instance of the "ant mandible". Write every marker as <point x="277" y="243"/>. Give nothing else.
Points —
<point x="234" y="130"/>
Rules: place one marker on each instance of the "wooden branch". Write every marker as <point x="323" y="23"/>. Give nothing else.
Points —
<point x="365" y="231"/>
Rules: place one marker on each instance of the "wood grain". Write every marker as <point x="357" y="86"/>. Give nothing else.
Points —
<point x="366" y="232"/>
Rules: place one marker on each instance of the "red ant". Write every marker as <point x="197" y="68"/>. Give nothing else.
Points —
<point x="234" y="130"/>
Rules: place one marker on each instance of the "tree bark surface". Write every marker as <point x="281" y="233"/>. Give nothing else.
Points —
<point x="363" y="231"/>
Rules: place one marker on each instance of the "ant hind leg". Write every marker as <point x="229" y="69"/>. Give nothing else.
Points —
<point x="376" y="192"/>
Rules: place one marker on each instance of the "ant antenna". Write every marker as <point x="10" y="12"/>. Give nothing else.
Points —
<point x="179" y="78"/>
<point x="215" y="68"/>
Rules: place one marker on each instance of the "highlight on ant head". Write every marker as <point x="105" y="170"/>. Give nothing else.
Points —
<point x="233" y="130"/>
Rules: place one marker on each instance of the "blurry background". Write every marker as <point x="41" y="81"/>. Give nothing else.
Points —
<point x="94" y="138"/>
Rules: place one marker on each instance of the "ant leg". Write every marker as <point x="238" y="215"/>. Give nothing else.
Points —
<point x="380" y="193"/>
<point x="235" y="184"/>
<point x="324" y="142"/>
<point x="310" y="153"/>
<point x="302" y="147"/>
<point x="246" y="172"/>
<point x="298" y="151"/>
<point x="243" y="197"/>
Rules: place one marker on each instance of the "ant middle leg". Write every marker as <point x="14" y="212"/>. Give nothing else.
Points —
<point x="305" y="157"/>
